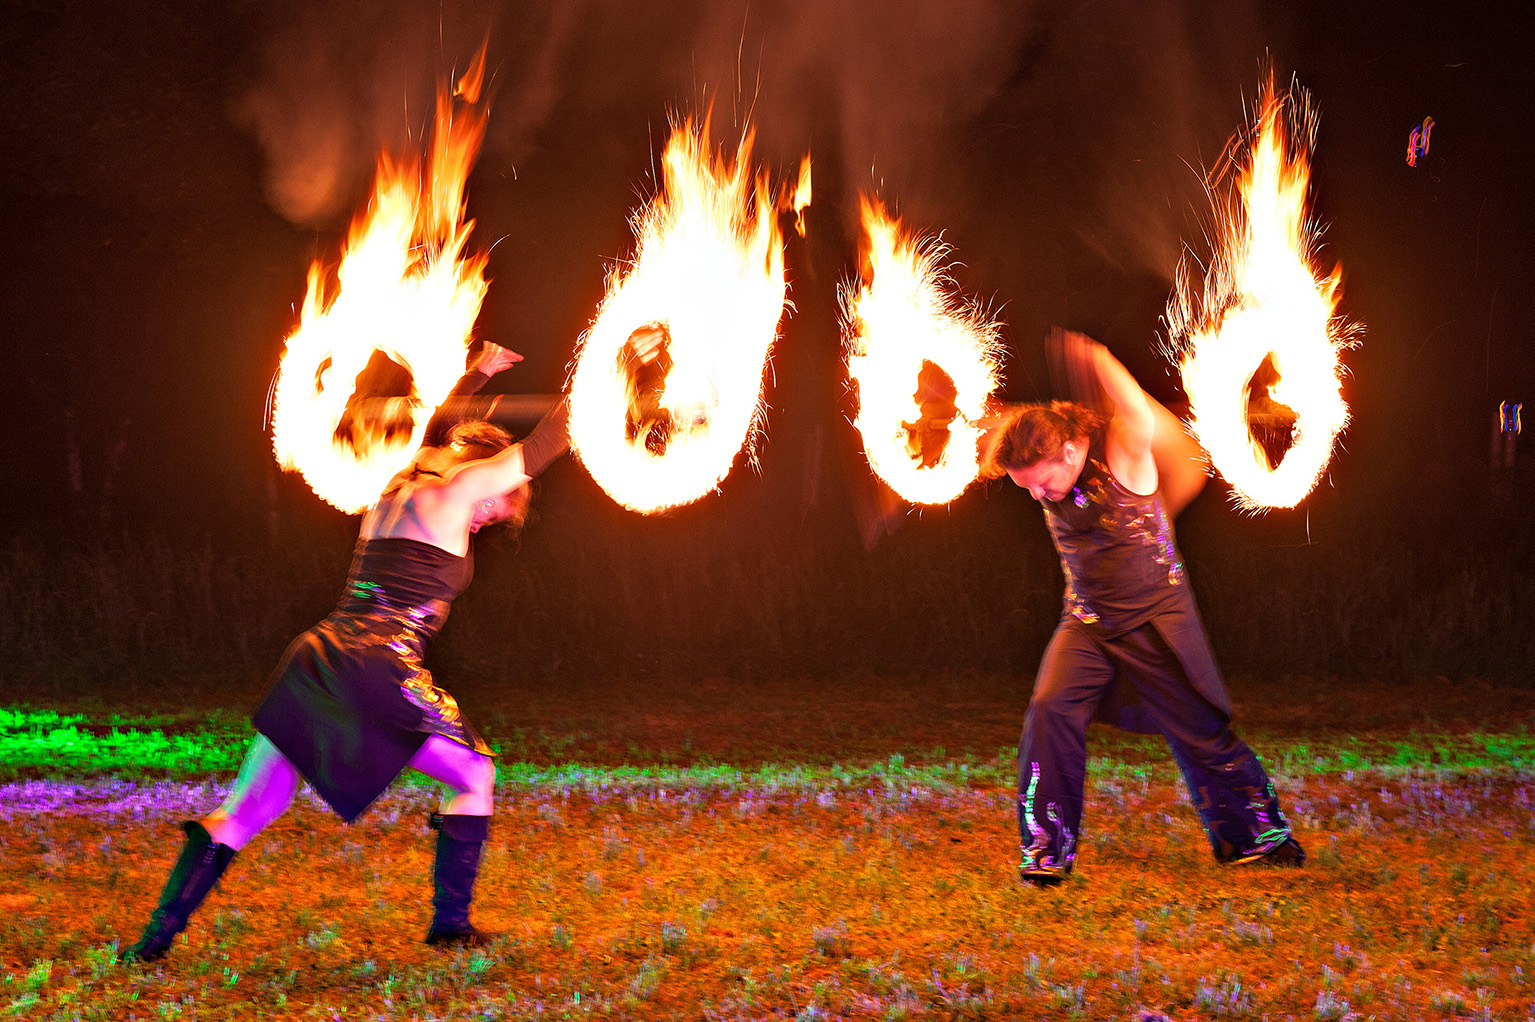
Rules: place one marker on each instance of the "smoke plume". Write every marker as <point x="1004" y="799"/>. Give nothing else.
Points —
<point x="1087" y="121"/>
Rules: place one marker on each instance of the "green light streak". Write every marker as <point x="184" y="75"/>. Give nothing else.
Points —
<point x="44" y="744"/>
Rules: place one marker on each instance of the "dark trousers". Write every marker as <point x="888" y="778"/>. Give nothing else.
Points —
<point x="1234" y="797"/>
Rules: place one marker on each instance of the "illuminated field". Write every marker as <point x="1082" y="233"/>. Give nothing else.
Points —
<point x="766" y="856"/>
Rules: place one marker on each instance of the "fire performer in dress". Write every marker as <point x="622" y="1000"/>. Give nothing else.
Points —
<point x="351" y="705"/>
<point x="1130" y="648"/>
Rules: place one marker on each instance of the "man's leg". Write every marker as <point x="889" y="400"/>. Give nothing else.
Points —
<point x="462" y="824"/>
<point x="1052" y="755"/>
<point x="1231" y="791"/>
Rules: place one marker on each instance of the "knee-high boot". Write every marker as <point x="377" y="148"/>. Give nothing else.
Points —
<point x="460" y="840"/>
<point x="202" y="862"/>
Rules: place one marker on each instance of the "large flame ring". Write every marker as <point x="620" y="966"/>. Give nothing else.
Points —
<point x="708" y="279"/>
<point x="418" y="312"/>
<point x="925" y="364"/>
<point x="1261" y="300"/>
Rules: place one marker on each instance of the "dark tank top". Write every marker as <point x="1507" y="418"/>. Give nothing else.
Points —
<point x="399" y="574"/>
<point x="1117" y="550"/>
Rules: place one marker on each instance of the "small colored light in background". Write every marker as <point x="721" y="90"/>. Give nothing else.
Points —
<point x="1508" y="417"/>
<point x="1506" y="426"/>
<point x="1417" y="141"/>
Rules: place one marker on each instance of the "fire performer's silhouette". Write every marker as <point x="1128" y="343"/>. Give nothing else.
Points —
<point x="351" y="705"/>
<point x="1130" y="649"/>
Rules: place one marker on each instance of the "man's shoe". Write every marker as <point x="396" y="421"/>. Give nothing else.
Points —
<point x="472" y="937"/>
<point x="1289" y="854"/>
<point x="1042" y="876"/>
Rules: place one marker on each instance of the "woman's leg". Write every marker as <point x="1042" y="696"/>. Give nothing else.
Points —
<point x="470" y="775"/>
<point x="263" y="791"/>
<point x="462" y="826"/>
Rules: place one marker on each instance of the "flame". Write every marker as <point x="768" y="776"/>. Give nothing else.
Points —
<point x="801" y="196"/>
<point x="667" y="384"/>
<point x="906" y="329"/>
<point x="404" y="288"/>
<point x="1264" y="317"/>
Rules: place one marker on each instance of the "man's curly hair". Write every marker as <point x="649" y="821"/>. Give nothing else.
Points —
<point x="1037" y="432"/>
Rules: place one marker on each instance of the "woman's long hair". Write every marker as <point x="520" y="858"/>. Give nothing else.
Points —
<point x="474" y="438"/>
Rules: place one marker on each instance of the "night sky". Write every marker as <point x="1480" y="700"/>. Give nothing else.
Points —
<point x="171" y="169"/>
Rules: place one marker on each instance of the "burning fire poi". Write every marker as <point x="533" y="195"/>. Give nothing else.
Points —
<point x="667" y="385"/>
<point x="1261" y="302"/>
<point x="906" y="329"/>
<point x="405" y="288"/>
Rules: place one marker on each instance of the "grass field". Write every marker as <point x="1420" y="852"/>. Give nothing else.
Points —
<point x="709" y="850"/>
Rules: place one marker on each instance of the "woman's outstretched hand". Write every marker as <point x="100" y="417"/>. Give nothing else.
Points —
<point x="493" y="358"/>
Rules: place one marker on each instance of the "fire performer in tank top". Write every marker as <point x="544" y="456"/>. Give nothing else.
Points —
<point x="351" y="705"/>
<point x="1130" y="649"/>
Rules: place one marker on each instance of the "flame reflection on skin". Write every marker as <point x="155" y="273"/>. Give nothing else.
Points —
<point x="901" y="324"/>
<point x="707" y="284"/>
<point x="404" y="288"/>
<point x="1261" y="302"/>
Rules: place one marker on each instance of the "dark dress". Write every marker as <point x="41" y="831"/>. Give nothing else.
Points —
<point x="350" y="701"/>
<point x="1131" y="650"/>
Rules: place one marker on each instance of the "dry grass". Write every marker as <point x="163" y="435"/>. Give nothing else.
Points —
<point x="750" y="904"/>
<point x="879" y="887"/>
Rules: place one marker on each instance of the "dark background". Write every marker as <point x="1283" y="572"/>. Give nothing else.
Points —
<point x="171" y="169"/>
